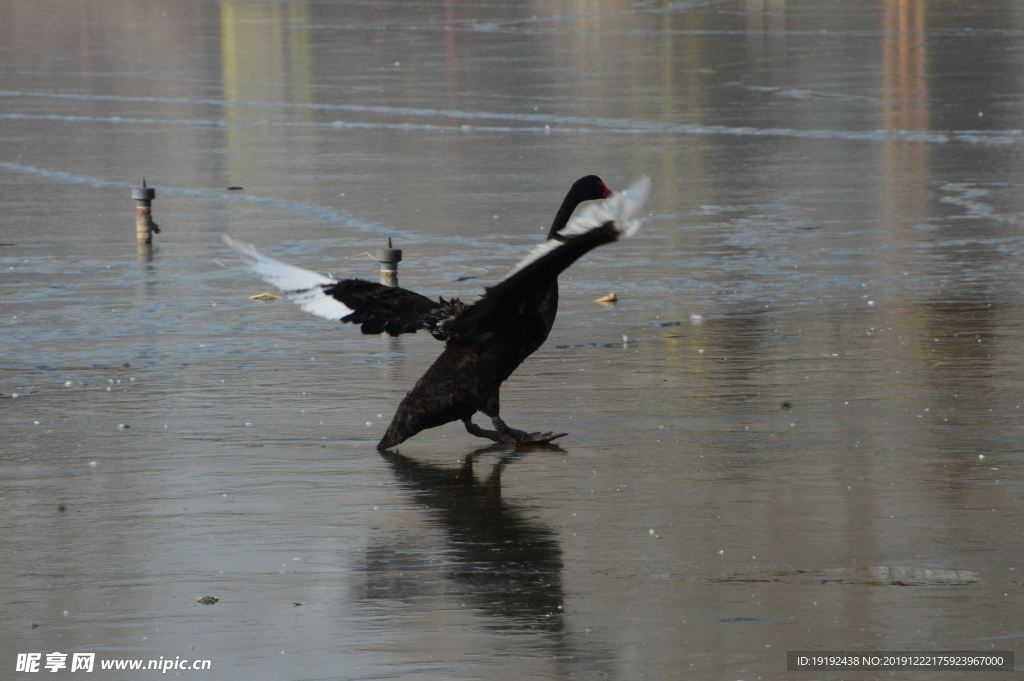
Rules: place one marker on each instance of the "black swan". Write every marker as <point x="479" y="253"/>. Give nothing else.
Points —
<point x="485" y="341"/>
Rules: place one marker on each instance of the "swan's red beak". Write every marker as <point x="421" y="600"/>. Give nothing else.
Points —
<point x="607" y="192"/>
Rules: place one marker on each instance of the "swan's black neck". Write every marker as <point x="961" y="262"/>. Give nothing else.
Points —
<point x="563" y="214"/>
<point x="586" y="188"/>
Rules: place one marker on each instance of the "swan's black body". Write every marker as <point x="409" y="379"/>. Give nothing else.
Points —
<point x="484" y="342"/>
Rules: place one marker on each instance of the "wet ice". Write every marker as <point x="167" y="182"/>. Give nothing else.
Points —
<point x="825" y="194"/>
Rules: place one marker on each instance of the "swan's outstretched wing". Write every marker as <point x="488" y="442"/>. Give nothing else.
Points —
<point x="377" y="308"/>
<point x="305" y="287"/>
<point x="392" y="310"/>
<point x="522" y="290"/>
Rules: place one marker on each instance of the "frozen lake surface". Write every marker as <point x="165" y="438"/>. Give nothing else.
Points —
<point x="812" y="439"/>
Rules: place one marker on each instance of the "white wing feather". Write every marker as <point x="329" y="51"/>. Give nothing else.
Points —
<point x="304" y="287"/>
<point x="282" y="275"/>
<point x="619" y="208"/>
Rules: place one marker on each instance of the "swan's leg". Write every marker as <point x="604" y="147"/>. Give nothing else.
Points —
<point x="494" y="435"/>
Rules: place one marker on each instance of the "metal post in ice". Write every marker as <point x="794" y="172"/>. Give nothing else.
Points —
<point x="389" y="258"/>
<point x="144" y="225"/>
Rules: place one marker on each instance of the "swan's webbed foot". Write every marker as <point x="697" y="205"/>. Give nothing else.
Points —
<point x="510" y="436"/>
<point x="521" y="437"/>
